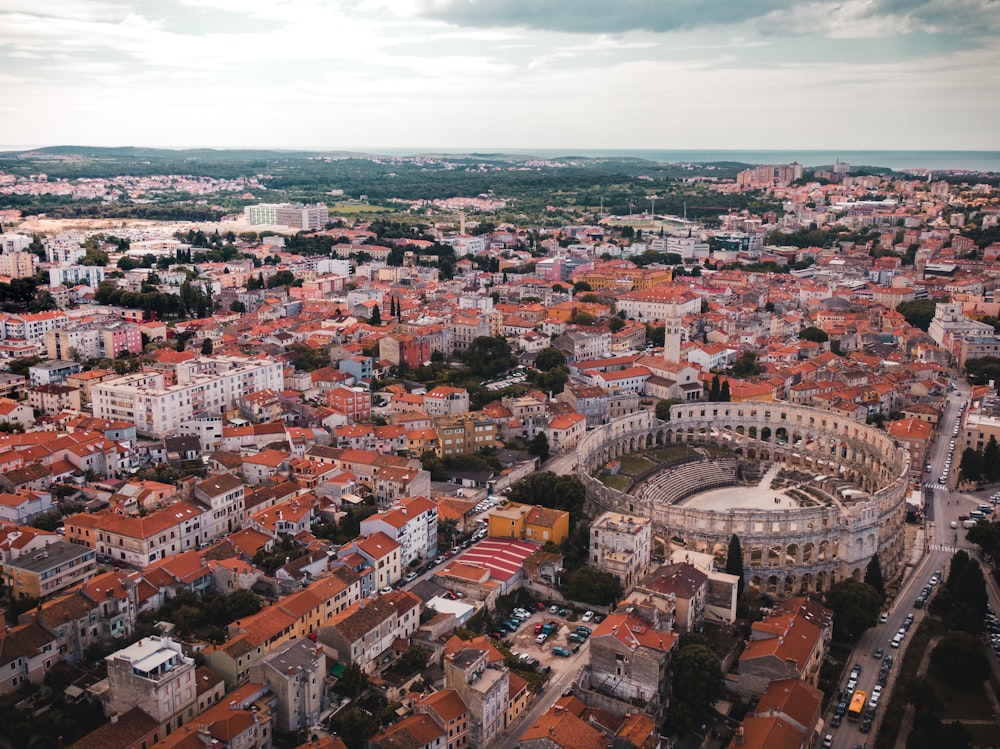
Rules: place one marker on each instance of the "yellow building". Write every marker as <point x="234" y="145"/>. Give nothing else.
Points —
<point x="529" y="523"/>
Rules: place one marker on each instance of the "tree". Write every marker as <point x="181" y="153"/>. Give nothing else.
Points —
<point x="855" y="608"/>
<point x="663" y="408"/>
<point x="549" y="358"/>
<point x="206" y="347"/>
<point x="355" y="727"/>
<point x="873" y="575"/>
<point x="539" y="446"/>
<point x="714" y="391"/>
<point x="971" y="466"/>
<point x="95" y="256"/>
<point x="746" y="365"/>
<point x="581" y="318"/>
<point x="814" y="334"/>
<point x="991" y="459"/>
<point x="581" y="286"/>
<point x="376" y="318"/>
<point x="590" y="585"/>
<point x="959" y="659"/>
<point x="919" y="312"/>
<point x="724" y="395"/>
<point x="734" y="562"/>
<point x="415" y="658"/>
<point x="353" y="681"/>
<point x="237" y="306"/>
<point x="696" y="677"/>
<point x="616" y="324"/>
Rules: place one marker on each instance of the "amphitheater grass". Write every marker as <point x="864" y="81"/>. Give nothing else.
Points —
<point x="671" y="452"/>
<point x="635" y="464"/>
<point x="615" y="481"/>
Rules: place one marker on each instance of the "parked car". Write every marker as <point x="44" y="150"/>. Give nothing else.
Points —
<point x="538" y="628"/>
<point x="553" y="609"/>
<point x="587" y="616"/>
<point x="557" y="650"/>
<point x="541" y="638"/>
<point x="879" y="652"/>
<point x="575" y="637"/>
<point x="410" y="576"/>
<point x="585" y="630"/>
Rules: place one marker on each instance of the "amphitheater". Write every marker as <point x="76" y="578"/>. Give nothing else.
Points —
<point x="811" y="495"/>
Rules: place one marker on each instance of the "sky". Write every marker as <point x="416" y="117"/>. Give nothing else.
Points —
<point x="502" y="74"/>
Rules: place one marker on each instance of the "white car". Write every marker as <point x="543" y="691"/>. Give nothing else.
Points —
<point x="587" y="616"/>
<point x="410" y="576"/>
<point x="386" y="589"/>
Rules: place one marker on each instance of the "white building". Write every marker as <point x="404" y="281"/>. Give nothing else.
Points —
<point x="206" y="386"/>
<point x="71" y="275"/>
<point x="223" y="497"/>
<point x="308" y="217"/>
<point x="155" y="676"/>
<point x="620" y="546"/>
<point x="412" y="523"/>
<point x="31" y="327"/>
<point x="18" y="264"/>
<point x="14" y="243"/>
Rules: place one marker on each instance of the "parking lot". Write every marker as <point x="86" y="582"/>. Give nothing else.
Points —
<point x="523" y="641"/>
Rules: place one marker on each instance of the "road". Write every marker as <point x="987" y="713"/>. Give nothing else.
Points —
<point x="940" y="542"/>
<point x="543" y="701"/>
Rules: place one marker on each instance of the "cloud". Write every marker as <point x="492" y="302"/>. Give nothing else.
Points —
<point x="601" y="16"/>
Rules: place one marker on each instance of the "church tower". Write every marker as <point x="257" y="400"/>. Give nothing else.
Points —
<point x="672" y="334"/>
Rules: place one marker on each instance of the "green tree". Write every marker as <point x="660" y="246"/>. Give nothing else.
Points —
<point x="734" y="562"/>
<point x="549" y="358"/>
<point x="696" y="677"/>
<point x="355" y="727"/>
<point x="991" y="459"/>
<point x="663" y="408"/>
<point x="590" y="585"/>
<point x="971" y="466"/>
<point x="95" y="256"/>
<point x="724" y="395"/>
<point x="616" y="324"/>
<point x="415" y="658"/>
<point x="237" y="306"/>
<point x="581" y="286"/>
<point x="814" y="334"/>
<point x="539" y="446"/>
<point x="960" y="660"/>
<point x="581" y="318"/>
<point x="855" y="608"/>
<point x="714" y="391"/>
<point x="353" y="681"/>
<point x="873" y="575"/>
<point x="746" y="365"/>
<point x="919" y="312"/>
<point x="206" y="347"/>
<point x="281" y="278"/>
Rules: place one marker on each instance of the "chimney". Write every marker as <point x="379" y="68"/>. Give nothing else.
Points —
<point x="114" y="718"/>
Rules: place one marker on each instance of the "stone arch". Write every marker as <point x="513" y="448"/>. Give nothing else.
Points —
<point x="808" y="552"/>
<point x="774" y="555"/>
<point x="756" y="556"/>
<point x="772" y="585"/>
<point x="792" y="554"/>
<point x="765" y="434"/>
<point x="824" y="551"/>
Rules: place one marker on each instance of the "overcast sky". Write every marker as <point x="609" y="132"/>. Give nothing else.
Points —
<point x="502" y="74"/>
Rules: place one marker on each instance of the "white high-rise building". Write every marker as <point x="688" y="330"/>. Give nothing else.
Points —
<point x="309" y="217"/>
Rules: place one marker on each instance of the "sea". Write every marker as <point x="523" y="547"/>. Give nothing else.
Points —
<point x="974" y="161"/>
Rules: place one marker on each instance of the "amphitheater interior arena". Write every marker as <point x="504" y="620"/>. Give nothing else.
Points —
<point x="812" y="496"/>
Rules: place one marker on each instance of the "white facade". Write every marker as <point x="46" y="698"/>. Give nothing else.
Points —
<point x="155" y="676"/>
<point x="71" y="275"/>
<point x="206" y="386"/>
<point x="18" y="264"/>
<point x="412" y="523"/>
<point x="620" y="546"/>
<point x="309" y="217"/>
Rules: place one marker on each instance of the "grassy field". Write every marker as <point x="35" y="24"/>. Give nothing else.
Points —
<point x="621" y="483"/>
<point x="671" y="452"/>
<point x="635" y="464"/>
<point x="350" y="208"/>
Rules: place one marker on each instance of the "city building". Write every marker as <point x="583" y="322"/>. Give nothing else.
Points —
<point x="620" y="546"/>
<point x="306" y="217"/>
<point x="483" y="687"/>
<point x="295" y="672"/>
<point x="139" y="540"/>
<point x="43" y="573"/>
<point x="529" y="523"/>
<point x="412" y="523"/>
<point x="205" y="386"/>
<point x="154" y="675"/>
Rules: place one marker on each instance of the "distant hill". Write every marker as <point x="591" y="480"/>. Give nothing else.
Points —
<point x="132" y="153"/>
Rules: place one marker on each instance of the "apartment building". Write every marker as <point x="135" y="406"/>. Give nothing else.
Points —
<point x="446" y="401"/>
<point x="484" y="688"/>
<point x="73" y="275"/>
<point x="354" y="403"/>
<point x="306" y="217"/>
<point x="106" y="340"/>
<point x="412" y="523"/>
<point x="620" y="546"/>
<point x="31" y="327"/>
<point x="529" y="523"/>
<point x="155" y="676"/>
<point x="295" y="672"/>
<point x="365" y="632"/>
<point x="43" y="573"/>
<point x="139" y="540"/>
<point x="206" y="386"/>
<point x="464" y="434"/>
<point x="18" y="264"/>
<point x="223" y="497"/>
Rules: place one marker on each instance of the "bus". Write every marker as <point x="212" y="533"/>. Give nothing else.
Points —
<point x="857" y="706"/>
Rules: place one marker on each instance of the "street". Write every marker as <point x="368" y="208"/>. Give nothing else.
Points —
<point x="940" y="543"/>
